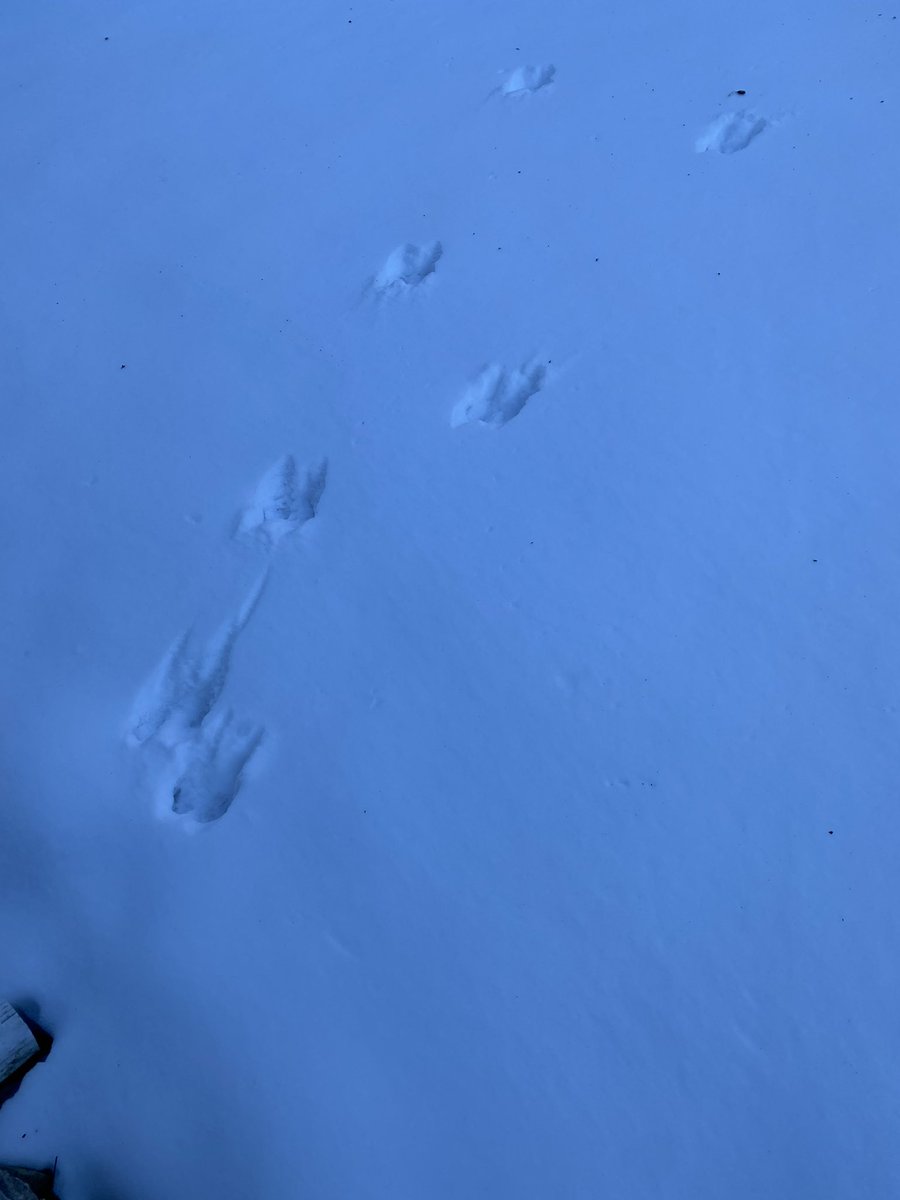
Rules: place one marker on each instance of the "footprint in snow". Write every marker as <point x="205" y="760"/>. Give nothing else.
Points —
<point x="285" y="499"/>
<point x="498" y="394"/>
<point x="524" y="81"/>
<point x="731" y="132"/>
<point x="184" y="688"/>
<point x="201" y="752"/>
<point x="212" y="768"/>
<point x="406" y="268"/>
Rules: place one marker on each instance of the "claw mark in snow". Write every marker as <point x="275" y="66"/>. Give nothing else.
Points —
<point x="407" y="267"/>
<point x="285" y="499"/>
<point x="731" y="132"/>
<point x="498" y="394"/>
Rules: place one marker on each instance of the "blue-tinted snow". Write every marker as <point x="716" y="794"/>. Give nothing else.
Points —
<point x="559" y="755"/>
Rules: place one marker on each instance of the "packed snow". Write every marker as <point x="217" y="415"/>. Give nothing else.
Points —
<point x="450" y="642"/>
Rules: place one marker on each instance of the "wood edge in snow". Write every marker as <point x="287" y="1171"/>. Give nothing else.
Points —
<point x="17" y="1042"/>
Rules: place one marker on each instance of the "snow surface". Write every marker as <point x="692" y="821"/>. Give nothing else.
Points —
<point x="545" y="794"/>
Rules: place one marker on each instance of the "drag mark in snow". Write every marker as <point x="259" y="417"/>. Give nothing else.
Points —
<point x="184" y="688"/>
<point x="162" y="694"/>
<point x="731" y="132"/>
<point x="498" y="394"/>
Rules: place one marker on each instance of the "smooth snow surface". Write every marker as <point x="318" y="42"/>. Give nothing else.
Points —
<point x="541" y="758"/>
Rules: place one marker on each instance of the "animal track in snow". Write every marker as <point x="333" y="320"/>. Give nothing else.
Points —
<point x="162" y="693"/>
<point x="182" y="691"/>
<point x="524" y="81"/>
<point x="212" y="767"/>
<point x="201" y="754"/>
<point x="498" y="394"/>
<point x="285" y="499"/>
<point x="731" y="132"/>
<point x="407" y="267"/>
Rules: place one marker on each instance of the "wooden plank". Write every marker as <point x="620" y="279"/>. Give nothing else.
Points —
<point x="13" y="1188"/>
<point x="17" y="1044"/>
<point x="40" y="1182"/>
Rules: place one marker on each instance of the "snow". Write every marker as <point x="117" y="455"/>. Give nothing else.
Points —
<point x="281" y="504"/>
<point x="407" y="267"/>
<point x="731" y="132"/>
<point x="527" y="79"/>
<point x="541" y="767"/>
<point x="498" y="395"/>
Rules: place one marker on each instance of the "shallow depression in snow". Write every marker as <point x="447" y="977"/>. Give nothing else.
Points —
<point x="731" y="132"/>
<point x="406" y="267"/>
<point x="527" y="79"/>
<point x="498" y="394"/>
